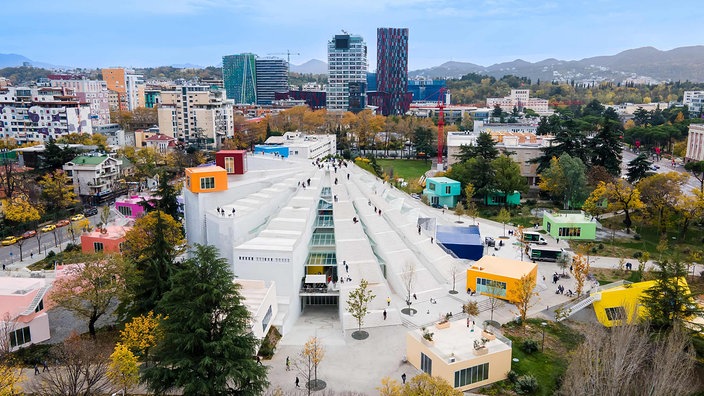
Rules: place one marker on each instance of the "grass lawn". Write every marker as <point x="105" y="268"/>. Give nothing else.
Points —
<point x="548" y="365"/>
<point x="677" y="247"/>
<point x="406" y="169"/>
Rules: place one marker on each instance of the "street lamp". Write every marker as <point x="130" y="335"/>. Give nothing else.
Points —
<point x="542" y="346"/>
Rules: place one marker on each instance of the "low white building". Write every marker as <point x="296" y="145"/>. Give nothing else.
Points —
<point x="520" y="99"/>
<point x="301" y="145"/>
<point x="695" y="101"/>
<point x="261" y="302"/>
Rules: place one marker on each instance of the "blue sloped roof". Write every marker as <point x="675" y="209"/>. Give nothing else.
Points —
<point x="458" y="235"/>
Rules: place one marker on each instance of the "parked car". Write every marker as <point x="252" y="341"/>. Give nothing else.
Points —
<point x="29" y="234"/>
<point x="415" y="196"/>
<point x="11" y="240"/>
<point x="92" y="211"/>
<point x="77" y="217"/>
<point x="48" y="228"/>
<point x="62" y="223"/>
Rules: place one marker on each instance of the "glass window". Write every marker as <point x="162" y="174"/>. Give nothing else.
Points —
<point x="97" y="246"/>
<point x="426" y="364"/>
<point x="471" y="375"/>
<point x="616" y="313"/>
<point x="447" y="189"/>
<point x="207" y="183"/>
<point x="125" y="210"/>
<point x="20" y="337"/>
<point x="229" y="164"/>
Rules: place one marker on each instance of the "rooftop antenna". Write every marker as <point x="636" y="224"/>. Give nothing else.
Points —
<point x="344" y="31"/>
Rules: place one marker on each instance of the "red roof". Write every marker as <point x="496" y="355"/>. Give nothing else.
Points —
<point x="160" y="138"/>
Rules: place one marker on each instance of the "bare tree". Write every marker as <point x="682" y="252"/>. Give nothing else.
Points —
<point x="628" y="360"/>
<point x="82" y="371"/>
<point x="493" y="291"/>
<point x="10" y="371"/>
<point x="455" y="270"/>
<point x="409" y="277"/>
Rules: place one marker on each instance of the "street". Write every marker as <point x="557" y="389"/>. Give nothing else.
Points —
<point x="665" y="166"/>
<point x="10" y="255"/>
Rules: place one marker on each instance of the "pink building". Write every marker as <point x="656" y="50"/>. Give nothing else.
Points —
<point x="24" y="319"/>
<point x="130" y="207"/>
<point x="106" y="240"/>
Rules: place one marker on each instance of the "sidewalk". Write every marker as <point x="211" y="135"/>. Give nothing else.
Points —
<point x="15" y="268"/>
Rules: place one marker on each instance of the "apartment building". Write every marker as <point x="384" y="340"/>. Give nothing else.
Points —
<point x="347" y="72"/>
<point x="520" y="99"/>
<point x="196" y="114"/>
<point x="36" y="114"/>
<point x="93" y="92"/>
<point x="94" y="176"/>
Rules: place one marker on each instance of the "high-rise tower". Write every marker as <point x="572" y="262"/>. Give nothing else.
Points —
<point x="272" y="77"/>
<point x="392" y="70"/>
<point x="240" y="77"/>
<point x="347" y="72"/>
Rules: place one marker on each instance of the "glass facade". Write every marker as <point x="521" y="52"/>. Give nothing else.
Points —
<point x="240" y="78"/>
<point x="272" y="77"/>
<point x="471" y="375"/>
<point x="392" y="70"/>
<point x="347" y="63"/>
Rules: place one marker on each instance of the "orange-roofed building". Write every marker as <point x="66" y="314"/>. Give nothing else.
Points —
<point x="205" y="179"/>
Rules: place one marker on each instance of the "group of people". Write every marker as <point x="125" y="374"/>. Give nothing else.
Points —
<point x="221" y="211"/>
<point x="561" y="290"/>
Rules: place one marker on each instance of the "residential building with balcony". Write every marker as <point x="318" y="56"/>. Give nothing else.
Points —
<point x="94" y="176"/>
<point x="37" y="114"/>
<point x="161" y="143"/>
<point x="694" y="100"/>
<point x="93" y="92"/>
<point x="196" y="114"/>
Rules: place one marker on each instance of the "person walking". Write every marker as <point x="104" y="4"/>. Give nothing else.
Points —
<point x="297" y="381"/>
<point x="388" y="301"/>
<point x="46" y="368"/>
<point x="384" y="314"/>
<point x="403" y="377"/>
<point x="288" y="364"/>
<point x="36" y="369"/>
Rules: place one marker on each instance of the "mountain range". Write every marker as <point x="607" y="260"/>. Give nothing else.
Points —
<point x="646" y="64"/>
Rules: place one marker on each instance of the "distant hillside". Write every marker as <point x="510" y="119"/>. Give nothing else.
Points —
<point x="313" y="66"/>
<point x="647" y="63"/>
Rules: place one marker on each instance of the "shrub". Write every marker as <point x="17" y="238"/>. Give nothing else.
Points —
<point x="72" y="247"/>
<point x="526" y="384"/>
<point x="601" y="246"/>
<point x="636" y="237"/>
<point x="51" y="253"/>
<point x="529" y="347"/>
<point x="512" y="376"/>
<point x="637" y="255"/>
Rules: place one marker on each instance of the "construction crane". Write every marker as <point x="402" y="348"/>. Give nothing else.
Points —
<point x="288" y="54"/>
<point x="441" y="125"/>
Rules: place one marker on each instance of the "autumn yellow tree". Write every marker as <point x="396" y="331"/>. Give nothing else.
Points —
<point x="57" y="189"/>
<point x="142" y="235"/>
<point x="619" y="195"/>
<point x="77" y="227"/>
<point x="389" y="387"/>
<point x="309" y="359"/>
<point x="690" y="208"/>
<point x="141" y="334"/>
<point x="20" y="210"/>
<point x="123" y="370"/>
<point x="580" y="271"/>
<point x="524" y="295"/>
<point x="660" y="193"/>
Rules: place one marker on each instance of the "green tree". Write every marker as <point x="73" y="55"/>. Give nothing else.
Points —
<point x="507" y="176"/>
<point x="54" y="156"/>
<point x="484" y="148"/>
<point x="606" y="145"/>
<point x="459" y="211"/>
<point x="504" y="217"/>
<point x="57" y="189"/>
<point x="358" y="302"/>
<point x="566" y="180"/>
<point x="697" y="170"/>
<point x="423" y="141"/>
<point x="568" y="139"/>
<point x="638" y="168"/>
<point x="669" y="300"/>
<point x="207" y="346"/>
<point x="152" y="245"/>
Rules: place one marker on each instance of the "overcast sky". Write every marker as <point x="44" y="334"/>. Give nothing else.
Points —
<point x="98" y="33"/>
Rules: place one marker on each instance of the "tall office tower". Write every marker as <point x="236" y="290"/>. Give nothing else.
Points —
<point x="347" y="65"/>
<point x="272" y="77"/>
<point x="240" y="78"/>
<point x="392" y="70"/>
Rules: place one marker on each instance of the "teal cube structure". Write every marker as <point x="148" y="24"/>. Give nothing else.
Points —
<point x="442" y="191"/>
